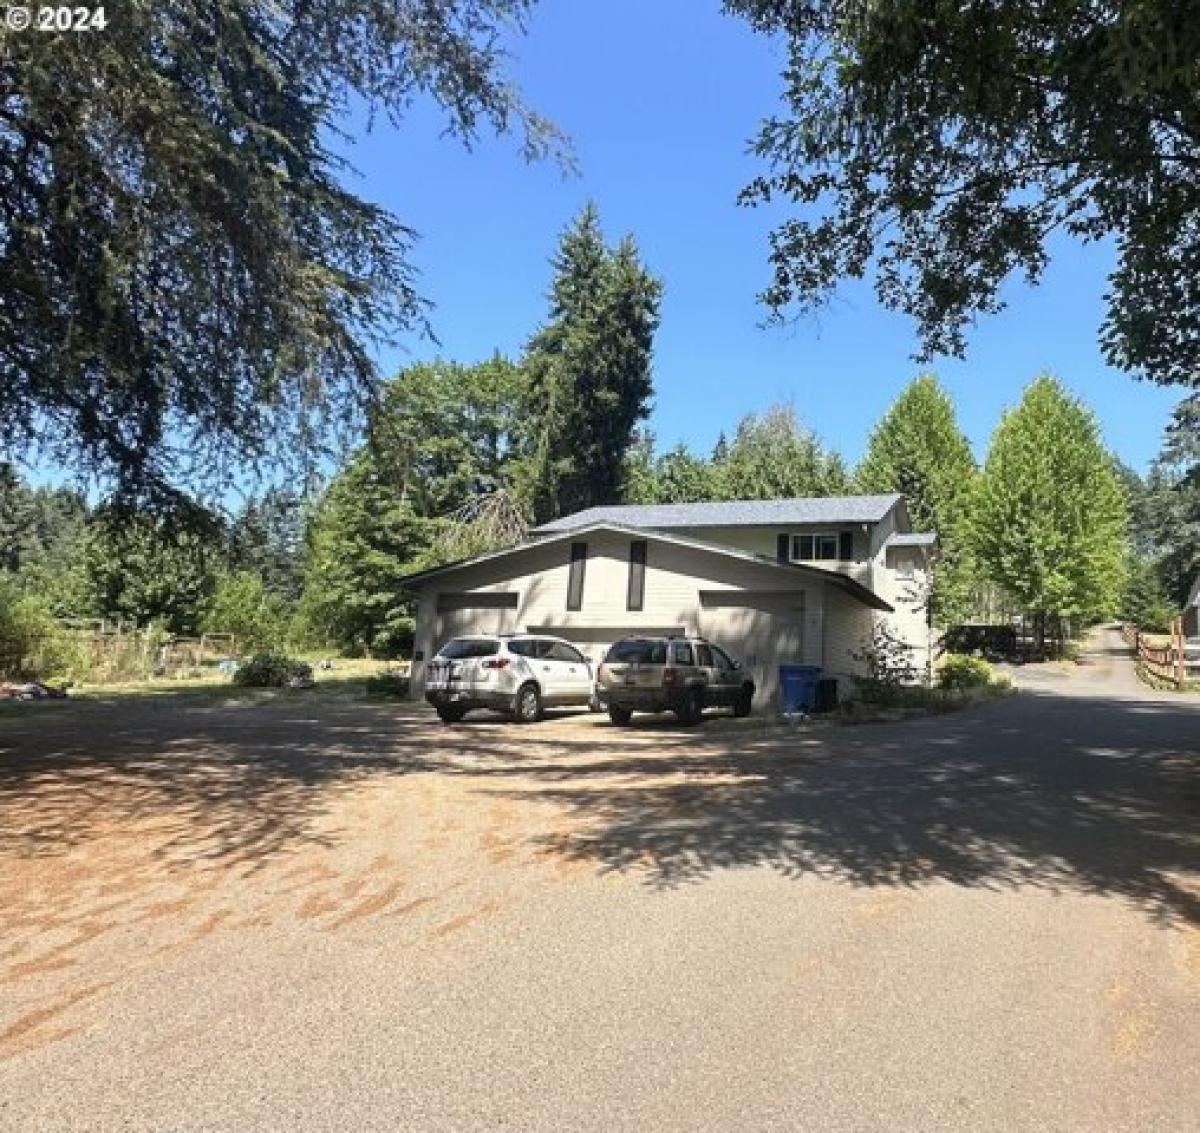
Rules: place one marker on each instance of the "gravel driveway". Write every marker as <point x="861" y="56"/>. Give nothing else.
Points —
<point x="319" y="914"/>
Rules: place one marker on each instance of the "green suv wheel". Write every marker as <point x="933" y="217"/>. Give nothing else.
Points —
<point x="619" y="716"/>
<point x="744" y="701"/>
<point x="692" y="708"/>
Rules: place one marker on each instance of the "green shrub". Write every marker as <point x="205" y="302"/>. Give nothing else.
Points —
<point x="960" y="672"/>
<point x="890" y="668"/>
<point x="388" y="683"/>
<point x="271" y="670"/>
<point x="32" y="642"/>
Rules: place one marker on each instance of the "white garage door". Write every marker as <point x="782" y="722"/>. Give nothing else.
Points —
<point x="762" y="629"/>
<point x="466" y="613"/>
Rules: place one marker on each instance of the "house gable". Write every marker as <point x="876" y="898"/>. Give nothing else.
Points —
<point x="547" y="562"/>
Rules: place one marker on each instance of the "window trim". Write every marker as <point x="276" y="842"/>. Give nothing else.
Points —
<point x="814" y="539"/>
<point x="567" y="647"/>
<point x="718" y="654"/>
<point x="674" y="646"/>
<point x="575" y="578"/>
<point x="635" y="591"/>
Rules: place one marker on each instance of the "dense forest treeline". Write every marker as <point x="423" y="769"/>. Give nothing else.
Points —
<point x="460" y="458"/>
<point x="324" y="571"/>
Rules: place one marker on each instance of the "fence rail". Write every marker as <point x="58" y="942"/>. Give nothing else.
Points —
<point x="112" y="656"/>
<point x="1168" y="662"/>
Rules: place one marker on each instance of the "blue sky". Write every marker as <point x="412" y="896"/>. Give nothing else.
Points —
<point x="660" y="100"/>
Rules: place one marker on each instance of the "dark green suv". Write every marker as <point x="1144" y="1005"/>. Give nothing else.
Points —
<point x="684" y="675"/>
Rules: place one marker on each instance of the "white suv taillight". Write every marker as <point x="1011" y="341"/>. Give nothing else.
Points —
<point x="497" y="663"/>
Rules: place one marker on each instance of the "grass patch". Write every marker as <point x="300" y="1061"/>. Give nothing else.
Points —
<point x="342" y="679"/>
<point x="914" y="703"/>
<point x="391" y="684"/>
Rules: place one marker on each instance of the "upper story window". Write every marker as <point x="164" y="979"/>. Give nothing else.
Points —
<point x="833" y="547"/>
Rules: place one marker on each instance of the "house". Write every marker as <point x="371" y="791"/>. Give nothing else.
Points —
<point x="773" y="581"/>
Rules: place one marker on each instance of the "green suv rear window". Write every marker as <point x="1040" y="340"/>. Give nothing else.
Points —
<point x="638" y="651"/>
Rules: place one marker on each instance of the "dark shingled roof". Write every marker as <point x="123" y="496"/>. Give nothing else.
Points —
<point x="731" y="513"/>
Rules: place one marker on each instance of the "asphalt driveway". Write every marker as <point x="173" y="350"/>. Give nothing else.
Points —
<point x="325" y="914"/>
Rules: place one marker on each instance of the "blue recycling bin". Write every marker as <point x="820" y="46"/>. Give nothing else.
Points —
<point x="798" y="688"/>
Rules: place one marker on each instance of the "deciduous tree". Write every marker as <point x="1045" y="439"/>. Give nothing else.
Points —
<point x="919" y="451"/>
<point x="144" y="569"/>
<point x="936" y="146"/>
<point x="1051" y="523"/>
<point x="443" y="437"/>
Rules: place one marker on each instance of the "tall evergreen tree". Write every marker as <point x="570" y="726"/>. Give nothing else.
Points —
<point x="266" y="539"/>
<point x="590" y="370"/>
<point x="919" y="451"/>
<point x="365" y="537"/>
<point x="39" y="528"/>
<point x="1051" y="522"/>
<point x="187" y="280"/>
<point x="16" y="519"/>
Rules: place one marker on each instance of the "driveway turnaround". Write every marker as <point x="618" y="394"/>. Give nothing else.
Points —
<point x="322" y="914"/>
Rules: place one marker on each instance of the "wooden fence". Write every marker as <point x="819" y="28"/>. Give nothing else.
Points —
<point x="1167" y="661"/>
<point x="106" y="656"/>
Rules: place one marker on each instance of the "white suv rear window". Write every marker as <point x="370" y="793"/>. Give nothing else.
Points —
<point x="462" y="647"/>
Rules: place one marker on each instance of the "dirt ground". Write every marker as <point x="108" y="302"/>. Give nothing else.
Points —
<point x="132" y="831"/>
<point x="333" y="913"/>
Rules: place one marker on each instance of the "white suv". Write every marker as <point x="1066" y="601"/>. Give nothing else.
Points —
<point x="515" y="673"/>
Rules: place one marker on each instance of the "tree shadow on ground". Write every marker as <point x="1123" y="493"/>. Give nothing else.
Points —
<point x="1088" y="794"/>
<point x="229" y="781"/>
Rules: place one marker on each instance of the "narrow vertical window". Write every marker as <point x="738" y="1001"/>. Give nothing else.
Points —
<point x="846" y="546"/>
<point x="637" y="574"/>
<point x="781" y="547"/>
<point x="575" y="582"/>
